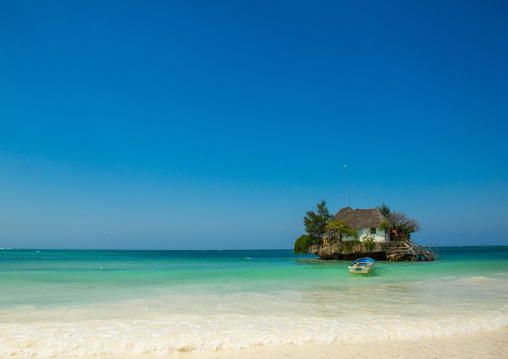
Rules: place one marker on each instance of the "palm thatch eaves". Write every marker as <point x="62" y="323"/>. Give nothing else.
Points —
<point x="360" y="218"/>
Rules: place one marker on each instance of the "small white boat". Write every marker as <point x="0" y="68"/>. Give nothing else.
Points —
<point x="362" y="265"/>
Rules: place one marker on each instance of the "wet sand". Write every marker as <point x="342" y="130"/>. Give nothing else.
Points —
<point x="493" y="344"/>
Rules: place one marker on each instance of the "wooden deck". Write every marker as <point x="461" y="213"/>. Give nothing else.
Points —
<point x="403" y="248"/>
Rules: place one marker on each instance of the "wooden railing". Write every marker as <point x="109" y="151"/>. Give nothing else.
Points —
<point x="404" y="245"/>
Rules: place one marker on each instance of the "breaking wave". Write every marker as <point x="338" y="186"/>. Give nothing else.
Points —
<point x="209" y="334"/>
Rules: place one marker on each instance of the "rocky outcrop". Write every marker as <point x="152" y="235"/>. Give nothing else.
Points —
<point x="394" y="251"/>
<point x="406" y="257"/>
<point x="347" y="251"/>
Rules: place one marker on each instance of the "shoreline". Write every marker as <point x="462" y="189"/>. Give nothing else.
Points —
<point x="492" y="344"/>
<point x="227" y="305"/>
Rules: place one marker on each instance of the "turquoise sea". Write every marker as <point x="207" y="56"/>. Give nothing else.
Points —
<point x="87" y="302"/>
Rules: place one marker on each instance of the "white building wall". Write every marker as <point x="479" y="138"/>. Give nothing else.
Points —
<point x="379" y="236"/>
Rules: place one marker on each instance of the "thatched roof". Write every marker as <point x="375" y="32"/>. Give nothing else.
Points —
<point x="360" y="218"/>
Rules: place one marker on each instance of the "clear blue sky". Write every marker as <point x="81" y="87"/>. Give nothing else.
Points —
<point x="218" y="124"/>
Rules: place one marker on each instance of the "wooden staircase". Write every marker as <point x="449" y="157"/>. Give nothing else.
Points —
<point x="404" y="248"/>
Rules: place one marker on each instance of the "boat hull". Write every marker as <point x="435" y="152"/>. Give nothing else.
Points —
<point x="355" y="269"/>
<point x="362" y="265"/>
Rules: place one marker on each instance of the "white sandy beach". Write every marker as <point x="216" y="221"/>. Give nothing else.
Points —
<point x="493" y="344"/>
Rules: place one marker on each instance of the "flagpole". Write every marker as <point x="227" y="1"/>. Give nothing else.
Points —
<point x="349" y="194"/>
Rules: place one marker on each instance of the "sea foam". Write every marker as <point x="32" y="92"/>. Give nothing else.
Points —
<point x="58" y="303"/>
<point x="196" y="333"/>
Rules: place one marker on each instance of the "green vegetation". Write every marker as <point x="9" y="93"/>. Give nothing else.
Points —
<point x="315" y="223"/>
<point x="340" y="229"/>
<point x="368" y="242"/>
<point x="384" y="209"/>
<point x="352" y="245"/>
<point x="304" y="242"/>
<point x="398" y="221"/>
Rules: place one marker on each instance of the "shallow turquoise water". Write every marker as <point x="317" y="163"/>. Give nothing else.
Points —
<point x="207" y="300"/>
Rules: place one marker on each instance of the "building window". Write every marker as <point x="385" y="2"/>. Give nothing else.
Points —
<point x="373" y="230"/>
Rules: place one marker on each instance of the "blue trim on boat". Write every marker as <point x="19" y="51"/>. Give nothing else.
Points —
<point x="365" y="261"/>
